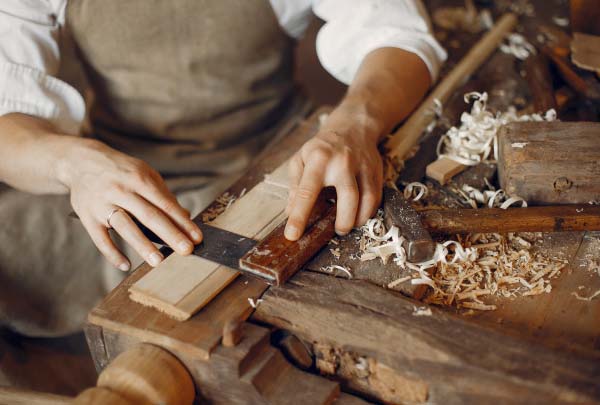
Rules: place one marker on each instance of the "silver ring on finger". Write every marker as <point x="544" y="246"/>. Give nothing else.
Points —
<point x="110" y="214"/>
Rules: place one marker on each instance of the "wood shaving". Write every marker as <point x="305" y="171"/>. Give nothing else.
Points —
<point x="254" y="303"/>
<point x="591" y="297"/>
<point x="475" y="140"/>
<point x="561" y="21"/>
<point x="463" y="272"/>
<point x="222" y="203"/>
<point x="518" y="46"/>
<point x="415" y="191"/>
<point x="343" y="269"/>
<point x="421" y="311"/>
<point x="489" y="198"/>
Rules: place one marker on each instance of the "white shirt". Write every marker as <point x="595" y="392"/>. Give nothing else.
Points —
<point x="31" y="33"/>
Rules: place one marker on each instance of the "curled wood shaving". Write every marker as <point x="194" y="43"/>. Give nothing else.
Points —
<point x="475" y="140"/>
<point x="343" y="269"/>
<point x="591" y="297"/>
<point x="518" y="46"/>
<point x="464" y="272"/>
<point x="254" y="303"/>
<point x="415" y="191"/>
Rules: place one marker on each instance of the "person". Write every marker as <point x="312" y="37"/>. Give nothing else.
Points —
<point x="180" y="95"/>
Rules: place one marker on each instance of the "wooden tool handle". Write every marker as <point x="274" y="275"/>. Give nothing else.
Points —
<point x="275" y="259"/>
<point x="559" y="218"/>
<point x="408" y="134"/>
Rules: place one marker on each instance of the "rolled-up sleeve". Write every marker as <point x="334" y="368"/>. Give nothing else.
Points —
<point x="356" y="27"/>
<point x="29" y="62"/>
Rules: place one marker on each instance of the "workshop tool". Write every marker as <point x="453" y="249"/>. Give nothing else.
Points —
<point x="553" y="218"/>
<point x="273" y="259"/>
<point x="550" y="162"/>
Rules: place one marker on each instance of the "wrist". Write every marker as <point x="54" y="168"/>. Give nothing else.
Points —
<point x="359" y="115"/>
<point x="68" y="158"/>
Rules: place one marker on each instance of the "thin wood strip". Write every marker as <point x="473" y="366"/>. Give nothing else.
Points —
<point x="404" y="139"/>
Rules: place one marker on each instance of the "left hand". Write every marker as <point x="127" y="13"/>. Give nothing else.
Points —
<point x="343" y="154"/>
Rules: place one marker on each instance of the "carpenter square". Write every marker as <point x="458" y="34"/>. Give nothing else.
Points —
<point x="274" y="259"/>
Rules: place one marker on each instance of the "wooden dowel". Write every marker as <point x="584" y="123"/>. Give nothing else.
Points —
<point x="402" y="141"/>
<point x="558" y="218"/>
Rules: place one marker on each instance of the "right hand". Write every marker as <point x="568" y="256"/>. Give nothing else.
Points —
<point x="102" y="179"/>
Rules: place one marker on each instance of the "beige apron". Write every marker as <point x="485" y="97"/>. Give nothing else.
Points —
<point x="193" y="87"/>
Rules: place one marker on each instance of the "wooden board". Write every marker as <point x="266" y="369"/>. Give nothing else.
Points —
<point x="371" y="339"/>
<point x="550" y="162"/>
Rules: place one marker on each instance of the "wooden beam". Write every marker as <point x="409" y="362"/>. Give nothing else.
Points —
<point x="370" y="339"/>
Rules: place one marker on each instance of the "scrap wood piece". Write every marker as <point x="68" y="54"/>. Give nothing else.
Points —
<point x="585" y="51"/>
<point x="443" y="169"/>
<point x="403" y="140"/>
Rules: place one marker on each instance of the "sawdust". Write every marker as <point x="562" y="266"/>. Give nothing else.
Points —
<point x="222" y="203"/>
<point x="465" y="271"/>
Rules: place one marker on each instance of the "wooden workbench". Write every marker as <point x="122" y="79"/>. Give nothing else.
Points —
<point x="541" y="349"/>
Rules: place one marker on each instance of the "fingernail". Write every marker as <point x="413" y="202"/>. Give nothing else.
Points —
<point x="291" y="233"/>
<point x="340" y="233"/>
<point x="124" y="266"/>
<point x="196" y="236"/>
<point x="185" y="245"/>
<point x="155" y="259"/>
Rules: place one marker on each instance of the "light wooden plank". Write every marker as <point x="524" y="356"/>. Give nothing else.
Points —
<point x="182" y="285"/>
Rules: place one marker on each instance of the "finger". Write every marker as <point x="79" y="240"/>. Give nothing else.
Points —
<point x="305" y="196"/>
<point x="346" y="188"/>
<point x="129" y="231"/>
<point x="105" y="244"/>
<point x="295" y="169"/>
<point x="161" y="197"/>
<point x="155" y="220"/>
<point x="370" y="196"/>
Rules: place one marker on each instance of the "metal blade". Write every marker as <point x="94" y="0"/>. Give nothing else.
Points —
<point x="218" y="245"/>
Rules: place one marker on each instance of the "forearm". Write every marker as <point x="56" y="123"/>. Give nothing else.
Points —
<point x="32" y="153"/>
<point x="387" y="87"/>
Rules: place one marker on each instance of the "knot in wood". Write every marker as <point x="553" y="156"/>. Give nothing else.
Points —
<point x="562" y="184"/>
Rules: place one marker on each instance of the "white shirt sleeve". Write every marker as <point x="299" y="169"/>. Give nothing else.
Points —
<point x="356" y="27"/>
<point x="29" y="61"/>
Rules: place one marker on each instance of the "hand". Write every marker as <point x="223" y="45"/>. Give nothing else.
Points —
<point x="102" y="180"/>
<point x="343" y="154"/>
